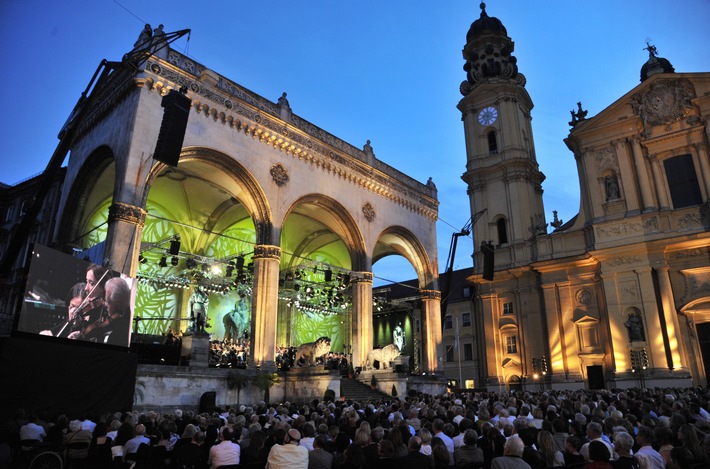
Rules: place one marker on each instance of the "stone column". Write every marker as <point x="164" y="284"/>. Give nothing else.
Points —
<point x="626" y="176"/>
<point x="431" y="319"/>
<point x="670" y="315"/>
<point x="704" y="176"/>
<point x="362" y="328"/>
<point x="264" y="308"/>
<point x="123" y="239"/>
<point x="642" y="174"/>
<point x="659" y="181"/>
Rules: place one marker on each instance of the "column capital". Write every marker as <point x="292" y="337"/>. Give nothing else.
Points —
<point x="267" y="251"/>
<point x="361" y="277"/>
<point x="430" y="295"/>
<point x="119" y="211"/>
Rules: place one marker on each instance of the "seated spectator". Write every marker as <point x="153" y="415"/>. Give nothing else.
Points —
<point x="192" y="454"/>
<point x="414" y="459"/>
<point x="599" y="456"/>
<point x="320" y="458"/>
<point x="76" y="445"/>
<point x="226" y="452"/>
<point x="289" y="455"/>
<point x="623" y="443"/>
<point x="512" y="457"/>
<point x="469" y="455"/>
<point x="648" y="457"/>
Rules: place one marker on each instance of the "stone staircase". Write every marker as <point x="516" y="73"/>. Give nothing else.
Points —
<point x="353" y="389"/>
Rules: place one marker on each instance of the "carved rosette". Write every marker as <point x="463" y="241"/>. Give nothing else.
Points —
<point x="584" y="297"/>
<point x="279" y="174"/>
<point x="265" y="251"/>
<point x="126" y="213"/>
<point x="369" y="211"/>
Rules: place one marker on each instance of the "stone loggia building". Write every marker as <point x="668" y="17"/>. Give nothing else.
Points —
<point x="258" y="190"/>
<point x="619" y="295"/>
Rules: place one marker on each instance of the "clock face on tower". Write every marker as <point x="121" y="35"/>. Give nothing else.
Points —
<point x="488" y="115"/>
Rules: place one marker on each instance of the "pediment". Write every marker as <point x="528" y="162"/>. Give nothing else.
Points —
<point x="508" y="362"/>
<point x="584" y="317"/>
<point x="507" y="322"/>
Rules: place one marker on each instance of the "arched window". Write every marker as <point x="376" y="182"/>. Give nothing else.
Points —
<point x="492" y="142"/>
<point x="502" y="231"/>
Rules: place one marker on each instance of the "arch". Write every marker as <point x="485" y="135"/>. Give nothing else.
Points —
<point x="82" y="196"/>
<point x="492" y="140"/>
<point x="337" y="218"/>
<point x="400" y="240"/>
<point x="502" y="230"/>
<point x="253" y="199"/>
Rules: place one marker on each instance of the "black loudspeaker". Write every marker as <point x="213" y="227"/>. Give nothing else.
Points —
<point x="172" y="130"/>
<point x="488" y="260"/>
<point x="208" y="401"/>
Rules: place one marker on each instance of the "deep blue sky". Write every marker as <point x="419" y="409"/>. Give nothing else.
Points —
<point x="388" y="71"/>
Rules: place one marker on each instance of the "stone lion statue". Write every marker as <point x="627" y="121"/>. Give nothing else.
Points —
<point x="383" y="355"/>
<point x="311" y="351"/>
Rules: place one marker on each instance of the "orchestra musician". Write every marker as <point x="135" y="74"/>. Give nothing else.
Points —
<point x="113" y="326"/>
<point x="77" y="294"/>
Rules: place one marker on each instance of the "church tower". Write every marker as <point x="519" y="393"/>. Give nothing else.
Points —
<point x="501" y="169"/>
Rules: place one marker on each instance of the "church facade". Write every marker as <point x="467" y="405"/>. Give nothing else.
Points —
<point x="619" y="296"/>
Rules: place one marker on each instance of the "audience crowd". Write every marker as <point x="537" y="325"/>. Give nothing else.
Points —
<point x="638" y="428"/>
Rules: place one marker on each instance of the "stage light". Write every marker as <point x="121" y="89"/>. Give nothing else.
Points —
<point x="230" y="269"/>
<point x="346" y="280"/>
<point x="175" y="246"/>
<point x="296" y="287"/>
<point x="174" y="261"/>
<point x="240" y="262"/>
<point x="328" y="275"/>
<point x="142" y="259"/>
<point x="163" y="262"/>
<point x="190" y="263"/>
<point x="298" y="275"/>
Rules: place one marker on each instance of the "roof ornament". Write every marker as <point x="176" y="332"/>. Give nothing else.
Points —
<point x="578" y="116"/>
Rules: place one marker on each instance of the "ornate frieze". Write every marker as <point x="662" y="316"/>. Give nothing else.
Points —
<point x="618" y="229"/>
<point x="279" y="174"/>
<point x="624" y="260"/>
<point x="266" y="125"/>
<point x="664" y="103"/>
<point x="132" y="214"/>
<point x="690" y="221"/>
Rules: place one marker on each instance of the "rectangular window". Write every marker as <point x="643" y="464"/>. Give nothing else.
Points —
<point x="448" y="323"/>
<point x="682" y="181"/>
<point x="466" y="319"/>
<point x="511" y="344"/>
<point x="466" y="293"/>
<point x="469" y="384"/>
<point x="449" y="353"/>
<point x="507" y="308"/>
<point x="468" y="351"/>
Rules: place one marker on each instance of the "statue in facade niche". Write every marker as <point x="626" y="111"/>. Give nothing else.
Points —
<point x="635" y="328"/>
<point x="612" y="187"/>
<point x="144" y="38"/>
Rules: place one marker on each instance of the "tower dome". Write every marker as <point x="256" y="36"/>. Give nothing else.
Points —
<point x="488" y="53"/>
<point x="485" y="24"/>
<point x="655" y="64"/>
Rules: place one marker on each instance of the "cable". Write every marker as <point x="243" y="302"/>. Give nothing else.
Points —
<point x="129" y="11"/>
